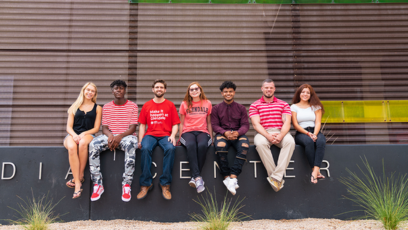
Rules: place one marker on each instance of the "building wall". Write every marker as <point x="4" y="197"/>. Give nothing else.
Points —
<point x="48" y="50"/>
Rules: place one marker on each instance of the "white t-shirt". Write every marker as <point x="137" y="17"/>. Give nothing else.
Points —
<point x="305" y="117"/>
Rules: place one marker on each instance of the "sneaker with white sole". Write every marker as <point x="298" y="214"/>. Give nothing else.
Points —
<point x="126" y="196"/>
<point x="231" y="183"/>
<point x="97" y="192"/>
<point x="236" y="184"/>
<point x="275" y="184"/>
<point x="192" y="183"/>
<point x="200" y="185"/>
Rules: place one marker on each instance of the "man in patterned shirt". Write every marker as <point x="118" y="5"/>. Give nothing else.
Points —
<point x="271" y="118"/>
<point x="119" y="121"/>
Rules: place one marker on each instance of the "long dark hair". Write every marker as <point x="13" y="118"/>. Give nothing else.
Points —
<point x="189" y="100"/>
<point x="313" y="100"/>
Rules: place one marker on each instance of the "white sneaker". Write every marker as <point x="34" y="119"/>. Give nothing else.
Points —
<point x="192" y="183"/>
<point x="230" y="184"/>
<point x="236" y="184"/>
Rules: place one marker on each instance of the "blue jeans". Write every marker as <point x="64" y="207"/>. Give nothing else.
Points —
<point x="314" y="150"/>
<point x="148" y="144"/>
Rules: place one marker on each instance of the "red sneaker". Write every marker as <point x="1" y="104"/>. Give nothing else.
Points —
<point x="126" y="193"/>
<point x="97" y="192"/>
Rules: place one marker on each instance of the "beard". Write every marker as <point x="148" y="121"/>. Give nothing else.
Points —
<point x="229" y="99"/>
<point x="158" y="95"/>
<point x="268" y="96"/>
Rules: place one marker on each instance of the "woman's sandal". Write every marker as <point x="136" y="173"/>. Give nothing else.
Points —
<point x="312" y="179"/>
<point x="320" y="177"/>
<point x="71" y="183"/>
<point x="77" y="194"/>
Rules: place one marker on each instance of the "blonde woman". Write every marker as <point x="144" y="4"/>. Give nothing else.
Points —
<point x="84" y="120"/>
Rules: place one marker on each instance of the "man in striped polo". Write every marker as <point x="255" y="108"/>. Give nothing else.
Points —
<point x="119" y="121"/>
<point x="271" y="118"/>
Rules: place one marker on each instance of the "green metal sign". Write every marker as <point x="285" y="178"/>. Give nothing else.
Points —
<point x="271" y="1"/>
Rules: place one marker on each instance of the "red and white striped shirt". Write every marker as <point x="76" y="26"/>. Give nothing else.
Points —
<point x="270" y="113"/>
<point x="119" y="117"/>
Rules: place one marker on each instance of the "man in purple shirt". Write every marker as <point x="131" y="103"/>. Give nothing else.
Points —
<point x="229" y="121"/>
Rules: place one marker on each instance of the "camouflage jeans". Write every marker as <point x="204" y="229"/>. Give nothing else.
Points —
<point x="128" y="144"/>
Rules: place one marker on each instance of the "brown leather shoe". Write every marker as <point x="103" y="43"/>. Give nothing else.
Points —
<point x="143" y="191"/>
<point x="166" y="191"/>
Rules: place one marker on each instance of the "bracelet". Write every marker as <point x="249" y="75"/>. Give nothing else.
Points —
<point x="307" y="133"/>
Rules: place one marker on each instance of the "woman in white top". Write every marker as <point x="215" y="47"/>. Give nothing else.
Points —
<point x="307" y="111"/>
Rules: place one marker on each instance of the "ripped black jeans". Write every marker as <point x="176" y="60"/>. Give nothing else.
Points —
<point x="241" y="144"/>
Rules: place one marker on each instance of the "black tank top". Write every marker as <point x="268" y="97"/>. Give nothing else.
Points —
<point x="84" y="122"/>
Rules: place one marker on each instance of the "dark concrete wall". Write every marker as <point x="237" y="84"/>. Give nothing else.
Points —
<point x="298" y="198"/>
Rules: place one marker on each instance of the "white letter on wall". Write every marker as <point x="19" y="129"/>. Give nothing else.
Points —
<point x="2" y="171"/>
<point x="182" y="170"/>
<point x="255" y="162"/>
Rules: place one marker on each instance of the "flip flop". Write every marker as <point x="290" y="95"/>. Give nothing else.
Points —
<point x="320" y="177"/>
<point x="70" y="184"/>
<point x="77" y="194"/>
<point x="313" y="178"/>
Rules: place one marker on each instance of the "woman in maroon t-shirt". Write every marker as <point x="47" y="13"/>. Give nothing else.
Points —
<point x="196" y="131"/>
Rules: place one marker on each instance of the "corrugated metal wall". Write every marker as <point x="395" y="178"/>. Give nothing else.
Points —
<point x="48" y="50"/>
<point x="347" y="52"/>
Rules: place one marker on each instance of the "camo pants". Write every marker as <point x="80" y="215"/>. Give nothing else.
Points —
<point x="99" y="144"/>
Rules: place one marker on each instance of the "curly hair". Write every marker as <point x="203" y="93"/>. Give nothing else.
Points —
<point x="314" y="100"/>
<point x="118" y="83"/>
<point x="228" y="85"/>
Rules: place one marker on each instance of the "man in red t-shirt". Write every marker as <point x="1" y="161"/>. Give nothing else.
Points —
<point x="160" y="116"/>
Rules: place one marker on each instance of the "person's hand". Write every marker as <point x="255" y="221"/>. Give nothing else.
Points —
<point x="139" y="145"/>
<point x="314" y="137"/>
<point x="271" y="137"/>
<point x="76" y="139"/>
<point x="278" y="139"/>
<point x="172" y="139"/>
<point x="309" y="134"/>
<point x="235" y="135"/>
<point x="82" y="135"/>
<point x="228" y="135"/>
<point x="116" y="141"/>
<point x="110" y="142"/>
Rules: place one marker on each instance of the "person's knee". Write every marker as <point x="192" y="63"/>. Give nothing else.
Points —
<point x="83" y="144"/>
<point x="321" y="142"/>
<point x="202" y="145"/>
<point x="260" y="140"/>
<point x="169" y="148"/>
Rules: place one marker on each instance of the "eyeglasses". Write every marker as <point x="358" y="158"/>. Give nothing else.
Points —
<point x="194" y="89"/>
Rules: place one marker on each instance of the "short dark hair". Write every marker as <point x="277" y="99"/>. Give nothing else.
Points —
<point x="228" y="85"/>
<point x="159" y="81"/>
<point x="268" y="80"/>
<point x="118" y="83"/>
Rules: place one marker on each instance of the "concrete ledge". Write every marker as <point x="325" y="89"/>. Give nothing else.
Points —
<point x="298" y="199"/>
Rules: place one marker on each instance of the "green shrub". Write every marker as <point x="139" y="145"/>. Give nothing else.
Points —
<point x="36" y="214"/>
<point x="215" y="217"/>
<point x="381" y="198"/>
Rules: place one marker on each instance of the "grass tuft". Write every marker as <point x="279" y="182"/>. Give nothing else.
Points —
<point x="215" y="217"/>
<point x="381" y="198"/>
<point x="35" y="214"/>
